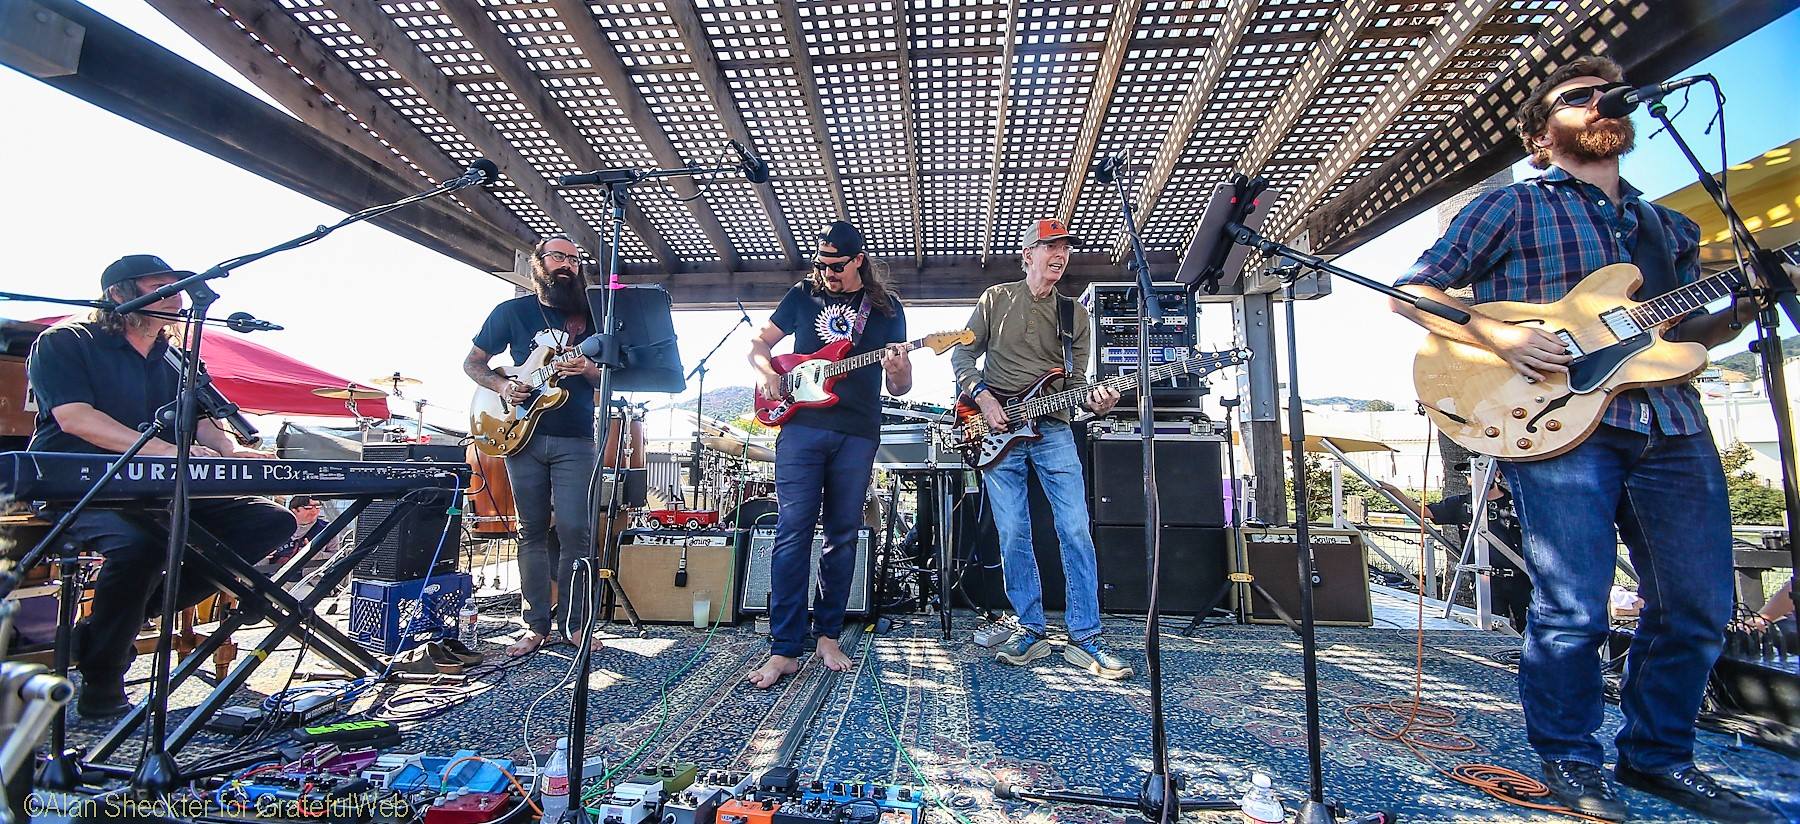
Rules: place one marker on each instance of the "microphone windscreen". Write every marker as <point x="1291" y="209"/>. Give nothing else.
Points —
<point x="488" y="171"/>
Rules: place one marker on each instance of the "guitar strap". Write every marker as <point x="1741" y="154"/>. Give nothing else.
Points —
<point x="1652" y="255"/>
<point x="862" y="319"/>
<point x="1065" y="329"/>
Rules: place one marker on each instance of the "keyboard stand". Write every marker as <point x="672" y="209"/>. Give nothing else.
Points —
<point x="286" y="613"/>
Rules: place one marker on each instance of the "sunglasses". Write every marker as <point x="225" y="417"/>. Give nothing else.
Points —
<point x="1585" y="95"/>
<point x="820" y="266"/>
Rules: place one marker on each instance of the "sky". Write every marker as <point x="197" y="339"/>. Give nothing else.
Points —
<point x="86" y="186"/>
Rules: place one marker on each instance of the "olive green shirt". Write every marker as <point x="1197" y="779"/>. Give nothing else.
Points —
<point x="1018" y="334"/>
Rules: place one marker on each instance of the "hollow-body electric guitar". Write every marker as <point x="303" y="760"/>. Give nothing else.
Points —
<point x="981" y="445"/>
<point x="1617" y="344"/>
<point x="501" y="427"/>
<point x="806" y="380"/>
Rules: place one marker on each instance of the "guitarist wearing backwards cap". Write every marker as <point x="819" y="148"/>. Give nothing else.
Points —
<point x="1648" y="474"/>
<point x="825" y="455"/>
<point x="1019" y="327"/>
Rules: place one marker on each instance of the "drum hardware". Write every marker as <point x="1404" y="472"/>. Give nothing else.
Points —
<point x="394" y="382"/>
<point x="350" y="394"/>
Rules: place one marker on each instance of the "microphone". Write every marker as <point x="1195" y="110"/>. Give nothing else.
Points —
<point x="747" y="321"/>
<point x="1109" y="167"/>
<point x="244" y="322"/>
<point x="481" y="172"/>
<point x="1625" y="99"/>
<point x="755" y="170"/>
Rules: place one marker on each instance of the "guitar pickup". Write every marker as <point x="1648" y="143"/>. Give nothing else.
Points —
<point x="1618" y="321"/>
<point x="1568" y="342"/>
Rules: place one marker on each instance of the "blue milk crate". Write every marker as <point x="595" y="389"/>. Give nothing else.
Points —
<point x="389" y="616"/>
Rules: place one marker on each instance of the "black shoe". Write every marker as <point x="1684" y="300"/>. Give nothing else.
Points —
<point x="1695" y="790"/>
<point x="1583" y="788"/>
<point x="102" y="697"/>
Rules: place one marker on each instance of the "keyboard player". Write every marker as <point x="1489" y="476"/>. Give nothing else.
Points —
<point x="96" y="380"/>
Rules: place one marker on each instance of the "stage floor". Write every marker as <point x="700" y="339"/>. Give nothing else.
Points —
<point x="915" y="709"/>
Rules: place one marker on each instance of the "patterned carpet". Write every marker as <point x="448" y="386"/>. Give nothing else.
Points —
<point x="1232" y="695"/>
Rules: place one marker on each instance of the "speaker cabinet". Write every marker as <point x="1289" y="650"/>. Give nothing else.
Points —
<point x="977" y="547"/>
<point x="1188" y="479"/>
<point x="412" y="539"/>
<point x="665" y="571"/>
<point x="758" y="579"/>
<point x="1340" y="575"/>
<point x="1195" y="562"/>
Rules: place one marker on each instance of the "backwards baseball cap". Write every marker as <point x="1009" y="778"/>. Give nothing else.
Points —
<point x="132" y="267"/>
<point x="1041" y="232"/>
<point x="845" y="238"/>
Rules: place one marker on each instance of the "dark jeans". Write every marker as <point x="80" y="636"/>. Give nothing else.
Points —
<point x="814" y="469"/>
<point x="129" y="587"/>
<point x="550" y="478"/>
<point x="1664" y="496"/>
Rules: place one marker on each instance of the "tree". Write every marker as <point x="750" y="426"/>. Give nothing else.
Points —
<point x="1379" y="405"/>
<point x="1753" y="503"/>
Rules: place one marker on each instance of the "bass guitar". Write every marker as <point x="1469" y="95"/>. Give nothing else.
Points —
<point x="1617" y="344"/>
<point x="501" y="427"/>
<point x="806" y="380"/>
<point x="981" y="445"/>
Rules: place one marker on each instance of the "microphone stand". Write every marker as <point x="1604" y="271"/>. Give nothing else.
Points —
<point x="1160" y="795"/>
<point x="1779" y="289"/>
<point x="158" y="773"/>
<point x="699" y="372"/>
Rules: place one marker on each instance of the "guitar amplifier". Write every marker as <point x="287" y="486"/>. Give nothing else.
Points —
<point x="666" y="571"/>
<point x="1195" y="561"/>
<point x="1190" y="482"/>
<point x="916" y="446"/>
<point x="1340" y="575"/>
<point x="754" y="597"/>
<point x="405" y="552"/>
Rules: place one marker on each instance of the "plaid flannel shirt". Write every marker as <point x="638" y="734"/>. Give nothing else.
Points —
<point x="1534" y="240"/>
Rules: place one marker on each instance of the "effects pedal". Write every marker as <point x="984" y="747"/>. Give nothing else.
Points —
<point x="373" y="734"/>
<point x="630" y="803"/>
<point x="698" y="804"/>
<point x="744" y="811"/>
<point x="235" y="720"/>
<point x="467" y="808"/>
<point x="782" y="782"/>
<point x="735" y="784"/>
<point x="808" y="811"/>
<point x="673" y="777"/>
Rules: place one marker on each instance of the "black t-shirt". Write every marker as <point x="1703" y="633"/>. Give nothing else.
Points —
<point x="816" y="319"/>
<point x="79" y="362"/>
<point x="512" y="326"/>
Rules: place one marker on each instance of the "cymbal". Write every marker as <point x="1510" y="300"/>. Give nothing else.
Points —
<point x="349" y="393"/>
<point x="395" y="380"/>
<point x="738" y="448"/>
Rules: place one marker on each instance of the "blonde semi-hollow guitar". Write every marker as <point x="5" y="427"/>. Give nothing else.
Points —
<point x="1618" y="344"/>
<point x="500" y="427"/>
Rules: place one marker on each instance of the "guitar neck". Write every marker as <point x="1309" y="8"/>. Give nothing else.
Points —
<point x="1671" y="305"/>
<point x="852" y="364"/>
<point x="1071" y="398"/>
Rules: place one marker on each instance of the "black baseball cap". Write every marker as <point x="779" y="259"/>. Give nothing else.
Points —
<point x="132" y="267"/>
<point x="845" y="238"/>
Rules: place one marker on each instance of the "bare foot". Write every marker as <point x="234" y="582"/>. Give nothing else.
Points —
<point x="526" y="645"/>
<point x="772" y="671"/>
<point x="833" y="655"/>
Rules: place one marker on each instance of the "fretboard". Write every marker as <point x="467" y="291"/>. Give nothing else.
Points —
<point x="1071" y="398"/>
<point x="1671" y="305"/>
<point x="864" y="359"/>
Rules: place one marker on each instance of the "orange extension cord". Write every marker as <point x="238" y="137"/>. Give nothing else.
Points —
<point x="1426" y="730"/>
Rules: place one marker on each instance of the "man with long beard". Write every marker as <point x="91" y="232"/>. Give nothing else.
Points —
<point x="1649" y="474"/>
<point x="551" y="475"/>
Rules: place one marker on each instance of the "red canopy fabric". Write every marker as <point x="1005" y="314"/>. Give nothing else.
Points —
<point x="263" y="381"/>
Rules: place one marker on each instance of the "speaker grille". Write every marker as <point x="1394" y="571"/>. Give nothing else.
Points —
<point x="758" y="578"/>
<point x="1188" y="479"/>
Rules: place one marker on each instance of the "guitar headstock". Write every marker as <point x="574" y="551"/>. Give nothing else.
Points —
<point x="1213" y="361"/>
<point x="940" y="342"/>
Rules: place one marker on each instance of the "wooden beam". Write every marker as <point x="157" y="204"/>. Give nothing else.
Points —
<point x="712" y="77"/>
<point x="380" y="33"/>
<point x="126" y="74"/>
<point x="801" y="60"/>
<point x="1100" y="95"/>
<point x="993" y="194"/>
<point x="1337" y="36"/>
<point x="1187" y="115"/>
<point x="1460" y="23"/>
<point x="528" y="88"/>
<point x="265" y="46"/>
<point x="915" y="189"/>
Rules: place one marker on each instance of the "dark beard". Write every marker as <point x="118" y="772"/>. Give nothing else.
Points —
<point x="567" y="296"/>
<point x="1600" y="139"/>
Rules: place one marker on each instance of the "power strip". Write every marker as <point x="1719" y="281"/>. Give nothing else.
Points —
<point x="994" y="634"/>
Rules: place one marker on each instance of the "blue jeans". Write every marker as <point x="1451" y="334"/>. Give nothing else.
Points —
<point x="1059" y="472"/>
<point x="1665" y="497"/>
<point x="815" y="468"/>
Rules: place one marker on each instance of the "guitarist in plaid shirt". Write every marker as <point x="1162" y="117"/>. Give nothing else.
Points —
<point x="1649" y="474"/>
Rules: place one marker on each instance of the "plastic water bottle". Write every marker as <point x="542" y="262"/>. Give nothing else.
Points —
<point x="465" y="623"/>
<point x="553" y="782"/>
<point x="1260" y="804"/>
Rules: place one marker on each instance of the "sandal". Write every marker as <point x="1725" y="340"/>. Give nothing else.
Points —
<point x="530" y="643"/>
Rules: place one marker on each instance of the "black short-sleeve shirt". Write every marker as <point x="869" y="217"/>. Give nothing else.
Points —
<point x="817" y="318"/>
<point x="512" y="326"/>
<point x="79" y="362"/>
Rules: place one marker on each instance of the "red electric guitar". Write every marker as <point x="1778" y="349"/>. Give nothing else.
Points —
<point x="806" y="380"/>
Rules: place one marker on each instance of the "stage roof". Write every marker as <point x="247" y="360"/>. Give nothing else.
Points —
<point x="940" y="127"/>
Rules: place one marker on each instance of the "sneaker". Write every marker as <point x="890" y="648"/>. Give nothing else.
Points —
<point x="1089" y="656"/>
<point x="1583" y="787"/>
<point x="1697" y="791"/>
<point x="1022" y="648"/>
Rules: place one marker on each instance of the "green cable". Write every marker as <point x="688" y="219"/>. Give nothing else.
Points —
<point x="936" y="796"/>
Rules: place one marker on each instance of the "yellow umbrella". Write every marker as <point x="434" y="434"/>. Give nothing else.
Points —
<point x="1766" y="193"/>
<point x="1314" y="443"/>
